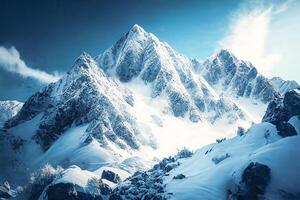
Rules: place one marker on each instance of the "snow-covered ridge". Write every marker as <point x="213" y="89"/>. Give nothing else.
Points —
<point x="283" y="86"/>
<point x="232" y="76"/>
<point x="84" y="95"/>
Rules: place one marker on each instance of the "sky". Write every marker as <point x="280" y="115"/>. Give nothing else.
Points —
<point x="39" y="40"/>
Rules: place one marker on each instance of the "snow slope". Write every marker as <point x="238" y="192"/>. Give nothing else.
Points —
<point x="260" y="163"/>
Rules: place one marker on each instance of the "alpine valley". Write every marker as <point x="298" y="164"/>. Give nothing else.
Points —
<point x="141" y="121"/>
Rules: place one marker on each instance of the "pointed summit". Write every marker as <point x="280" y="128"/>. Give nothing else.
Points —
<point x="137" y="29"/>
<point x="224" y="54"/>
<point x="83" y="61"/>
<point x="136" y="32"/>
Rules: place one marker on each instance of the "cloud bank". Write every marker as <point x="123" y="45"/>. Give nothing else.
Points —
<point x="10" y="61"/>
<point x="266" y="34"/>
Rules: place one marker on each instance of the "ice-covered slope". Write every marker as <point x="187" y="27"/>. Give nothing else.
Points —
<point x="8" y="109"/>
<point x="283" y="86"/>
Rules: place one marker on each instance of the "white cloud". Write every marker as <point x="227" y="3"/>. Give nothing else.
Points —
<point x="262" y="35"/>
<point x="10" y="61"/>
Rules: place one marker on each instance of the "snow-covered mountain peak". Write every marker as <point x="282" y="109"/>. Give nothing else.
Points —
<point x="137" y="29"/>
<point x="83" y="63"/>
<point x="227" y="73"/>
<point x="223" y="54"/>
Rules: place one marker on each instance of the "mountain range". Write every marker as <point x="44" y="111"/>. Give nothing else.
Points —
<point x="114" y="116"/>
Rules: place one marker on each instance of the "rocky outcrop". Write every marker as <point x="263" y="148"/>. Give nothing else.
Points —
<point x="149" y="184"/>
<point x="179" y="177"/>
<point x="280" y="110"/>
<point x="285" y="129"/>
<point x="254" y="182"/>
<point x="110" y="176"/>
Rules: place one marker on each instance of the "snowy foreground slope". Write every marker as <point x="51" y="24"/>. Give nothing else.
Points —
<point x="112" y="117"/>
<point x="260" y="163"/>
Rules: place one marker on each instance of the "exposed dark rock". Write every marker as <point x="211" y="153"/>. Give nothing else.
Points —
<point x="184" y="153"/>
<point x="220" y="140"/>
<point x="285" y="129"/>
<point x="291" y="102"/>
<point x="254" y="182"/>
<point x="256" y="177"/>
<point x="283" y="109"/>
<point x="111" y="176"/>
<point x="280" y="110"/>
<point x="179" y="176"/>
<point x="240" y="131"/>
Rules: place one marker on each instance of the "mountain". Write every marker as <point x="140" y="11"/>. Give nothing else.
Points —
<point x="129" y="107"/>
<point x="283" y="86"/>
<point x="140" y="55"/>
<point x="84" y="95"/>
<point x="8" y="109"/>
<point x="84" y="119"/>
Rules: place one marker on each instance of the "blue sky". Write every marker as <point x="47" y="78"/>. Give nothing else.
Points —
<point x="48" y="36"/>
